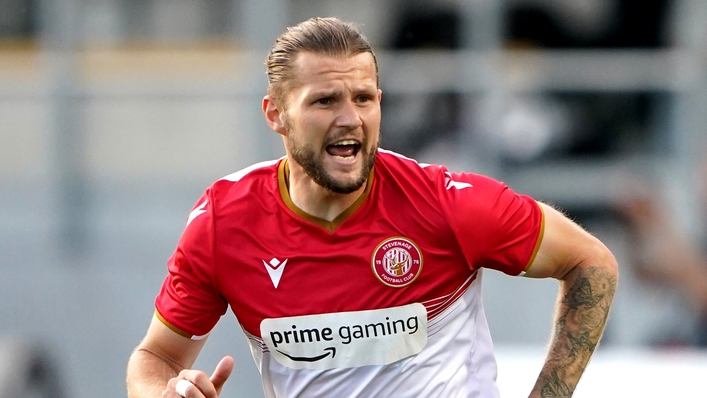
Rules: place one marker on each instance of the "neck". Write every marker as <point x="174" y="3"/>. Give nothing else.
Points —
<point x="316" y="200"/>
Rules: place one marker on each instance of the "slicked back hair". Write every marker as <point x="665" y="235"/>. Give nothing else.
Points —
<point x="326" y="36"/>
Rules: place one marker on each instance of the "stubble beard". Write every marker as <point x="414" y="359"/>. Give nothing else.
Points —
<point x="314" y="167"/>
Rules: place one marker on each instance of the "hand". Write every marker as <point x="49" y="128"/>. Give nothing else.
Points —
<point x="204" y="386"/>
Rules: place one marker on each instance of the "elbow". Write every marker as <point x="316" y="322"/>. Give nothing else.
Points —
<point x="596" y="258"/>
<point x="605" y="259"/>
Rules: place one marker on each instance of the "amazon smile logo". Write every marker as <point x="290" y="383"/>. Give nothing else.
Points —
<point x="330" y="350"/>
<point x="372" y="337"/>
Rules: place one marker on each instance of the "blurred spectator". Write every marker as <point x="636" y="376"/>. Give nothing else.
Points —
<point x="547" y="125"/>
<point x="661" y="254"/>
<point x="537" y="127"/>
<point x="437" y="115"/>
<point x="588" y="23"/>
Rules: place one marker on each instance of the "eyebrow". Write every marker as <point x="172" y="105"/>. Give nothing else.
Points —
<point x="326" y="93"/>
<point x="368" y="90"/>
<point x="323" y="94"/>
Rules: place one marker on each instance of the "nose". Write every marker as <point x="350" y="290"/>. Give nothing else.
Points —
<point x="349" y="116"/>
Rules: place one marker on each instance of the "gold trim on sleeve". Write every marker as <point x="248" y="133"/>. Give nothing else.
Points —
<point x="540" y="239"/>
<point x="172" y="327"/>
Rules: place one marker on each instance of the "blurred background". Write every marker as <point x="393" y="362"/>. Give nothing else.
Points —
<point x="115" y="115"/>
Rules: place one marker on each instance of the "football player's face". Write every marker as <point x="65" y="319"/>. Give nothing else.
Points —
<point x="332" y="119"/>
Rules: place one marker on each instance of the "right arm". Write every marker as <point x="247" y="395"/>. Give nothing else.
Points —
<point x="190" y="298"/>
<point x="162" y="358"/>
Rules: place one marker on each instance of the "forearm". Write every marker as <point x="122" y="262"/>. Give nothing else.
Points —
<point x="148" y="374"/>
<point x="585" y="299"/>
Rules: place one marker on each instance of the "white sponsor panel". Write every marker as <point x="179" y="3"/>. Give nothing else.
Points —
<point x="347" y="339"/>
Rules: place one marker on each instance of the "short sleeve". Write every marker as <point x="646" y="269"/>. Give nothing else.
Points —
<point x="496" y="227"/>
<point x="189" y="302"/>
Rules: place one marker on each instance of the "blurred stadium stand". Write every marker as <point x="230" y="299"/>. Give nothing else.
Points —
<point x="116" y="115"/>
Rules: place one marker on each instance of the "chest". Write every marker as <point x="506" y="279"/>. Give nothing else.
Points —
<point x="282" y="266"/>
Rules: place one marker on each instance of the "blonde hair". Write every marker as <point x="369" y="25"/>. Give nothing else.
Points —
<point x="328" y="36"/>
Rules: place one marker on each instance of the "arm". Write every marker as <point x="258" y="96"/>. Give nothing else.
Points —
<point x="588" y="275"/>
<point x="163" y="357"/>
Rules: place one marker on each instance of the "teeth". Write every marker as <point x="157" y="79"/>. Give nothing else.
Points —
<point x="346" y="142"/>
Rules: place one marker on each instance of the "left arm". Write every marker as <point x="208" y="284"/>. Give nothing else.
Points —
<point x="588" y="274"/>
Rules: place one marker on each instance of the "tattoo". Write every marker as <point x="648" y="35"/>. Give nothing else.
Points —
<point x="554" y="387"/>
<point x="580" y="294"/>
<point x="582" y="315"/>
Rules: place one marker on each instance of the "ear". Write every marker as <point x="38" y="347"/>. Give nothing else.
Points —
<point x="273" y="115"/>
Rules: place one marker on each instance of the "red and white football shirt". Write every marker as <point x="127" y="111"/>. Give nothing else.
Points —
<point x="383" y="301"/>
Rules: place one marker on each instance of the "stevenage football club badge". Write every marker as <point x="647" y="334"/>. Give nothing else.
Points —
<point x="397" y="261"/>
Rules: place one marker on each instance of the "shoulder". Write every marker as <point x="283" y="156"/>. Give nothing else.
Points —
<point x="252" y="182"/>
<point x="255" y="170"/>
<point x="244" y="178"/>
<point x="397" y="165"/>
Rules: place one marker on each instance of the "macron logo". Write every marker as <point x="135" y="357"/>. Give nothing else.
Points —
<point x="275" y="268"/>
<point x="449" y="183"/>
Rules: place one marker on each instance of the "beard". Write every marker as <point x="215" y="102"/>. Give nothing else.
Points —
<point x="312" y="164"/>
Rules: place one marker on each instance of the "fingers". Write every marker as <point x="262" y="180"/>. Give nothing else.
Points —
<point x="222" y="372"/>
<point x="202" y="386"/>
<point x="183" y="386"/>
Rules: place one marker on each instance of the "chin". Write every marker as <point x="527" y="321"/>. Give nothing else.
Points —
<point x="342" y="185"/>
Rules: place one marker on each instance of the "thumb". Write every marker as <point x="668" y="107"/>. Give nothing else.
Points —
<point x="222" y="372"/>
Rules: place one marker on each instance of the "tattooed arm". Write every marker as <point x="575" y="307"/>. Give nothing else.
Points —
<point x="588" y="275"/>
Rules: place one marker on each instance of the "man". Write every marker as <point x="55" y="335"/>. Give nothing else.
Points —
<point x="355" y="271"/>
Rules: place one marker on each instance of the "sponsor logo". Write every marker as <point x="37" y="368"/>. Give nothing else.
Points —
<point x="347" y="339"/>
<point x="397" y="262"/>
<point x="329" y="350"/>
<point x="275" y="268"/>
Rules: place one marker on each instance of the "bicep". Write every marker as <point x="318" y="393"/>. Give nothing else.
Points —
<point x="176" y="350"/>
<point x="564" y="245"/>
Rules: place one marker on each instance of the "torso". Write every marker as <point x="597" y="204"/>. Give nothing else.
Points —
<point x="384" y="289"/>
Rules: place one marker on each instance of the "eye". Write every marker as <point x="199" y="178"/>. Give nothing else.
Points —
<point x="323" y="101"/>
<point x="363" y="98"/>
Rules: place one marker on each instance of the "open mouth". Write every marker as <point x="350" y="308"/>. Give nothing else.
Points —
<point x="344" y="149"/>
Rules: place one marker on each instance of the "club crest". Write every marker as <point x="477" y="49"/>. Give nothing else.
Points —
<point x="397" y="262"/>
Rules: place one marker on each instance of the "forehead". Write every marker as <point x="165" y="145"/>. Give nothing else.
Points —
<point x="311" y="70"/>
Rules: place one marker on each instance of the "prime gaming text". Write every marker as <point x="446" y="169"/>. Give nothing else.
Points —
<point x="345" y="333"/>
